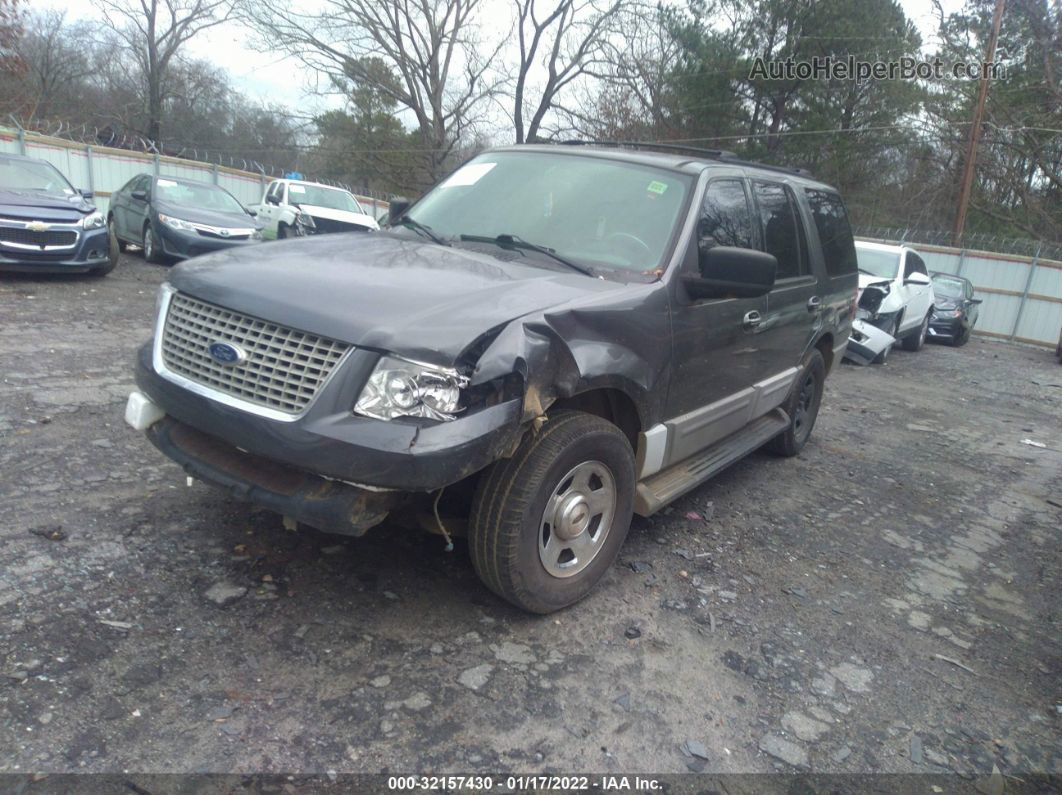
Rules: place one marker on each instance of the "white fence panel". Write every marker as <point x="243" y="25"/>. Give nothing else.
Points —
<point x="104" y="170"/>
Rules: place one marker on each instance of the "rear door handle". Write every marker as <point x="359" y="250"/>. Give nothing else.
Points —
<point x="752" y="319"/>
<point x="814" y="303"/>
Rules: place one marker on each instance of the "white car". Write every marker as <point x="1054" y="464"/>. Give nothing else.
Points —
<point x="292" y="207"/>
<point x="895" y="292"/>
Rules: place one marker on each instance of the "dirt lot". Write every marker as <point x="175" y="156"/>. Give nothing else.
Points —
<point x="888" y="601"/>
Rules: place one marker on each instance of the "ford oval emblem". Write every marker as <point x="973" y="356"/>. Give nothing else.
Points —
<point x="227" y="354"/>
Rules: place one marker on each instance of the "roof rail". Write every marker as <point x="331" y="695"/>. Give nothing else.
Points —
<point x="713" y="154"/>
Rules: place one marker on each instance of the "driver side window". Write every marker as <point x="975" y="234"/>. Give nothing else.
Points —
<point x="726" y="219"/>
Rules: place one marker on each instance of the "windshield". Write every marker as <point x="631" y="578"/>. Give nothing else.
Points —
<point x="883" y="264"/>
<point x="320" y="196"/>
<point x="947" y="287"/>
<point x="30" y="175"/>
<point x="194" y="194"/>
<point x="585" y="209"/>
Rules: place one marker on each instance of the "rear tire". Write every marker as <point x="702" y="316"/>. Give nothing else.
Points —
<point x="914" y="342"/>
<point x="802" y="406"/>
<point x="548" y="523"/>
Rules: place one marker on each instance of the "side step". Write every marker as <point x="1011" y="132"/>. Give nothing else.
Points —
<point x="655" y="492"/>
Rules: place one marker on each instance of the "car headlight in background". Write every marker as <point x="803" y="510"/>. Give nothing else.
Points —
<point x="398" y="388"/>
<point x="176" y="223"/>
<point x="93" y="221"/>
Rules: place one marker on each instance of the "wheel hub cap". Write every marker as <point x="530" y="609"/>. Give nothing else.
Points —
<point x="577" y="519"/>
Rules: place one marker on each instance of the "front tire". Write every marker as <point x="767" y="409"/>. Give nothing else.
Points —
<point x="284" y="231"/>
<point x="114" y="235"/>
<point x="547" y="523"/>
<point x="152" y="248"/>
<point x="802" y="407"/>
<point x="914" y="342"/>
<point x="883" y="357"/>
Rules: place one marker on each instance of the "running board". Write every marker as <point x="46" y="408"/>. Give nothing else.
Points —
<point x="656" y="491"/>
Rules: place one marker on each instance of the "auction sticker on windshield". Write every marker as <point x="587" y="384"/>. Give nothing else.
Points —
<point x="468" y="175"/>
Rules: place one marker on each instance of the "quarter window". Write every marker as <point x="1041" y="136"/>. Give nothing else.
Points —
<point x="913" y="264"/>
<point x="835" y="233"/>
<point x="781" y="230"/>
<point x="725" y="218"/>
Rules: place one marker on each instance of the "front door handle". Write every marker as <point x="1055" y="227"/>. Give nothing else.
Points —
<point x="752" y="319"/>
<point x="814" y="303"/>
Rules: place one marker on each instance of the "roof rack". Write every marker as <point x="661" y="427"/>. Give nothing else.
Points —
<point x="713" y="154"/>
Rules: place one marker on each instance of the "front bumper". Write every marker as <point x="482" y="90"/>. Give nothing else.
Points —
<point x="945" y="327"/>
<point x="91" y="251"/>
<point x="328" y="505"/>
<point x="329" y="440"/>
<point x="179" y="244"/>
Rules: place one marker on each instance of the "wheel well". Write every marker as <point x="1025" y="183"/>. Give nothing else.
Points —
<point x="825" y="347"/>
<point x="610" y="404"/>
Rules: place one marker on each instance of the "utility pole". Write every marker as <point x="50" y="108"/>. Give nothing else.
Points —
<point x="970" y="162"/>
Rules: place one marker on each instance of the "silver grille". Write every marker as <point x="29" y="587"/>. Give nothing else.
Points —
<point x="284" y="368"/>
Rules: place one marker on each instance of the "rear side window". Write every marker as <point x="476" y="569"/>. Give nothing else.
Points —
<point x="781" y="231"/>
<point x="725" y="218"/>
<point x="835" y="233"/>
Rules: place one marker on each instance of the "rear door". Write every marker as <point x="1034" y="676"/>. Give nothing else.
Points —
<point x="794" y="306"/>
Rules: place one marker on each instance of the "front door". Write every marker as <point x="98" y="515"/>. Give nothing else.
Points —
<point x="718" y="356"/>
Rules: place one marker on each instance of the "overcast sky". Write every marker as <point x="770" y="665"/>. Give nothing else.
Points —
<point x="274" y="78"/>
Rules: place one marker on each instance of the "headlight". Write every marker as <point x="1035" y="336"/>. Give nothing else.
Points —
<point x="398" y="388"/>
<point x="176" y="223"/>
<point x="93" y="220"/>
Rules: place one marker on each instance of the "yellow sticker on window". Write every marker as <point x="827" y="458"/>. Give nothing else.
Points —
<point x="657" y="187"/>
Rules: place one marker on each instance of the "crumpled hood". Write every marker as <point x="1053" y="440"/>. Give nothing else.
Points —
<point x="420" y="300"/>
<point x="343" y="216"/>
<point x="30" y="205"/>
<point x="866" y="278"/>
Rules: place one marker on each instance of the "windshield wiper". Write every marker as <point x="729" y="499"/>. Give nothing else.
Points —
<point x="417" y="226"/>
<point x="517" y="242"/>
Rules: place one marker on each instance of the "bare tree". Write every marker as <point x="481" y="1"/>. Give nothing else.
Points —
<point x="154" y="31"/>
<point x="443" y="72"/>
<point x="562" y="42"/>
<point x="56" y="58"/>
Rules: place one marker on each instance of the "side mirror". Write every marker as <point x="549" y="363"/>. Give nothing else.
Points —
<point x="139" y="195"/>
<point x="977" y="300"/>
<point x="87" y="194"/>
<point x="399" y="207"/>
<point x="250" y="212"/>
<point x="917" y="278"/>
<point x="272" y="200"/>
<point x="732" y="272"/>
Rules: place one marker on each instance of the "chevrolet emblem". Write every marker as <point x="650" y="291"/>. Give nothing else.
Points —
<point x="37" y="226"/>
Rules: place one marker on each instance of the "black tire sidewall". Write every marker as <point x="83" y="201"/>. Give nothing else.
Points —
<point x="787" y="443"/>
<point x="553" y="593"/>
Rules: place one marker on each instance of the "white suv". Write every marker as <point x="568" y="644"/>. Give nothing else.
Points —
<point x="291" y="207"/>
<point x="895" y="292"/>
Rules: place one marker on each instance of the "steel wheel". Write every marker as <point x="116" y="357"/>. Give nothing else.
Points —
<point x="577" y="519"/>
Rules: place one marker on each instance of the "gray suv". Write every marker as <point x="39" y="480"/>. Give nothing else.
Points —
<point x="550" y="340"/>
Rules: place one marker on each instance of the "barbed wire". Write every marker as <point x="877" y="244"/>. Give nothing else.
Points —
<point x="91" y="135"/>
<point x="979" y="241"/>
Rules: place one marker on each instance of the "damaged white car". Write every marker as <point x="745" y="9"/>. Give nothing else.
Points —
<point x="895" y="302"/>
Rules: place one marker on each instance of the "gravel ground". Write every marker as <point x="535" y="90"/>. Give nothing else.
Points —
<point x="887" y="601"/>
